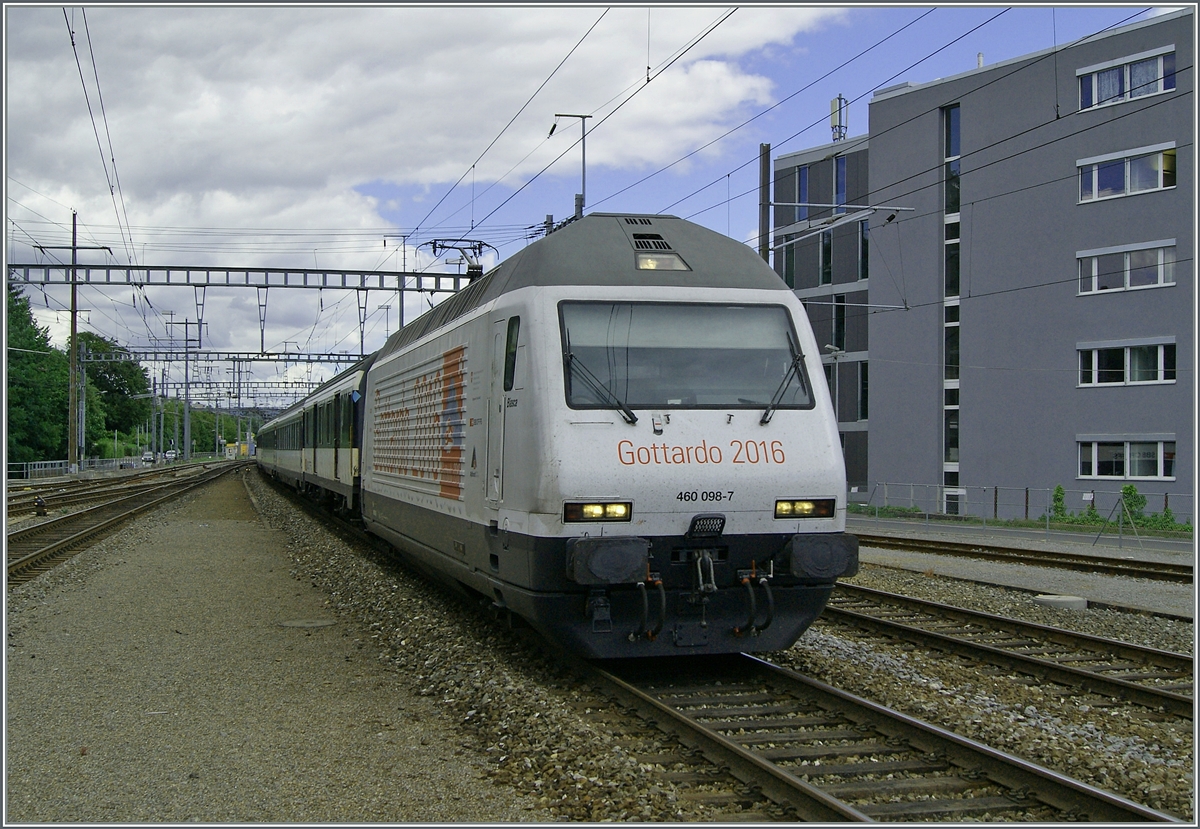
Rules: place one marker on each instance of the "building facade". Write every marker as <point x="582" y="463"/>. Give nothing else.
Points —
<point x="822" y="252"/>
<point x="1029" y="321"/>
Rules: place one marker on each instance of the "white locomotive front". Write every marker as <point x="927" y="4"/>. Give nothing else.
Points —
<point x="615" y="436"/>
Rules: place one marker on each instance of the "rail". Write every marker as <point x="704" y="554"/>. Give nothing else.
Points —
<point x="832" y="756"/>
<point x="1145" y="676"/>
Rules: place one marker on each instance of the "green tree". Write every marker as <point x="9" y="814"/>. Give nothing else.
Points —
<point x="97" y="437"/>
<point x="36" y="375"/>
<point x="117" y="382"/>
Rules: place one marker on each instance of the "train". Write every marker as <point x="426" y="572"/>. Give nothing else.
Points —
<point x="614" y="434"/>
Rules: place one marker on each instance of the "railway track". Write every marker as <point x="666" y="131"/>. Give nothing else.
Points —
<point x="1159" y="680"/>
<point x="825" y="755"/>
<point x="756" y="742"/>
<point x="35" y="549"/>
<point x="1162" y="571"/>
<point x="71" y="493"/>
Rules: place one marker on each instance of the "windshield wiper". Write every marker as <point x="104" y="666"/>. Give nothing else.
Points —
<point x="600" y="388"/>
<point x="792" y="369"/>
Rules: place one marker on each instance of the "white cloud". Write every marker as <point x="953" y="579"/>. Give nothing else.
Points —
<point x="272" y="117"/>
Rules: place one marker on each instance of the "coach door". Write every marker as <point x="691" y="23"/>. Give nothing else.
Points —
<point x="337" y="432"/>
<point x="495" y="421"/>
<point x="504" y="359"/>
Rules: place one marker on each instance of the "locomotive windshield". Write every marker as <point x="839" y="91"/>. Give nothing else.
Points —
<point x="658" y="355"/>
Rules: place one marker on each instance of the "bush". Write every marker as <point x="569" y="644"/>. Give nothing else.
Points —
<point x="1134" y="501"/>
<point x="1059" y="511"/>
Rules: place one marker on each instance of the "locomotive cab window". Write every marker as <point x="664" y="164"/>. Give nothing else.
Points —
<point x="684" y="355"/>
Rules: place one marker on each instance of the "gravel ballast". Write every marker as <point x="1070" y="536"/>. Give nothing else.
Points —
<point x="152" y="678"/>
<point x="1121" y="748"/>
<point x="414" y="697"/>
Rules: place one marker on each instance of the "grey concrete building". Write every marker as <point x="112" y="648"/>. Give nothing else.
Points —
<point x="821" y="250"/>
<point x="1030" y="322"/>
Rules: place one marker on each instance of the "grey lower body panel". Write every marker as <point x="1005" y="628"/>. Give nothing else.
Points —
<point x="741" y="599"/>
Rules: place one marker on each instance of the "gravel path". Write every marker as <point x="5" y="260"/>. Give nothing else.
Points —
<point x="154" y="678"/>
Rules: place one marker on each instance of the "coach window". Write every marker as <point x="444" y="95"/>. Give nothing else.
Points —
<point x="510" y="352"/>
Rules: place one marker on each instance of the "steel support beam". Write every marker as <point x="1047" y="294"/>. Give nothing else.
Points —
<point x="34" y="274"/>
<point x="167" y="355"/>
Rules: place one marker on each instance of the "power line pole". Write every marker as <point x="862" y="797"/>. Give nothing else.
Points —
<point x="74" y="444"/>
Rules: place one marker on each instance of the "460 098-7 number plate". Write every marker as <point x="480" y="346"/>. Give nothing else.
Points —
<point x="705" y="495"/>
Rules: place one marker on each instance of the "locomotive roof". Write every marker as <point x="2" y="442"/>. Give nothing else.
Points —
<point x="600" y="249"/>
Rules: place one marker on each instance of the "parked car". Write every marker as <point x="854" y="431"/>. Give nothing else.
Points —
<point x="147" y="457"/>
<point x="170" y="455"/>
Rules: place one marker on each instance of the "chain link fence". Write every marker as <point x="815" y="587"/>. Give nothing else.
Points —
<point x="1081" y="507"/>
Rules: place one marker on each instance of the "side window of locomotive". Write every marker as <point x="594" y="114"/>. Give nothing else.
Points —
<point x="510" y="352"/>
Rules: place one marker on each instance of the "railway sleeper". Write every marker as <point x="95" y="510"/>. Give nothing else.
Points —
<point x="687" y="701"/>
<point x="905" y="786"/>
<point x="805" y="737"/>
<point x="730" y="713"/>
<point x="821" y="752"/>
<point x="946" y="808"/>
<point x="873" y="768"/>
<point x="733" y="727"/>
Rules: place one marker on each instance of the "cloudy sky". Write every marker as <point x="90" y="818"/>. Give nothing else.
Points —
<point x="317" y="137"/>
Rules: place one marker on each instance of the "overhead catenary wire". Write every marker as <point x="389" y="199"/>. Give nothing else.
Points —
<point x="130" y="249"/>
<point x="764" y="112"/>
<point x="511" y="120"/>
<point x="908" y="68"/>
<point x="880" y="85"/>
<point x="696" y="41"/>
<point x="515" y="237"/>
<point x="636" y="86"/>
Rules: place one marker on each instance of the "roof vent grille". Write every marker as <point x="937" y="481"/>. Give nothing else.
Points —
<point x="649" y="241"/>
<point x="632" y="220"/>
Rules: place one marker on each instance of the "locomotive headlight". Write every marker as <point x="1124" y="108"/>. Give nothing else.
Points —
<point x="806" y="508"/>
<point x="598" y="511"/>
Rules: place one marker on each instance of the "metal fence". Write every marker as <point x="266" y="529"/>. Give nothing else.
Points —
<point x="53" y="469"/>
<point x="998" y="503"/>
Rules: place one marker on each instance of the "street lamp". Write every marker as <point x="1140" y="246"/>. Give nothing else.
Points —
<point x="580" y="199"/>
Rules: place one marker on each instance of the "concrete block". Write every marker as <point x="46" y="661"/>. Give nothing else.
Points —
<point x="1061" y="602"/>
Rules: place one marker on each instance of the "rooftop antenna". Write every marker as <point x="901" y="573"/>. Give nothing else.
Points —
<point x="839" y="112"/>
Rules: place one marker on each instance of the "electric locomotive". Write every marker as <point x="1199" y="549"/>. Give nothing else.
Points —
<point x="615" y="435"/>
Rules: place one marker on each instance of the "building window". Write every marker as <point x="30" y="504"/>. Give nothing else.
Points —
<point x="802" y="193"/>
<point x="952" y="352"/>
<point x="1153" y="459"/>
<point x="1138" y="171"/>
<point x="839" y="184"/>
<point x="789" y="260"/>
<point x="839" y="322"/>
<point x="862" y="390"/>
<point x="831" y="380"/>
<point x="952" y="289"/>
<point x="863" y="231"/>
<point x="1127" y="365"/>
<point x="1144" y="74"/>
<point x="951" y="436"/>
<point x="952" y="149"/>
<point x="827" y="257"/>
<point x="1151" y="265"/>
